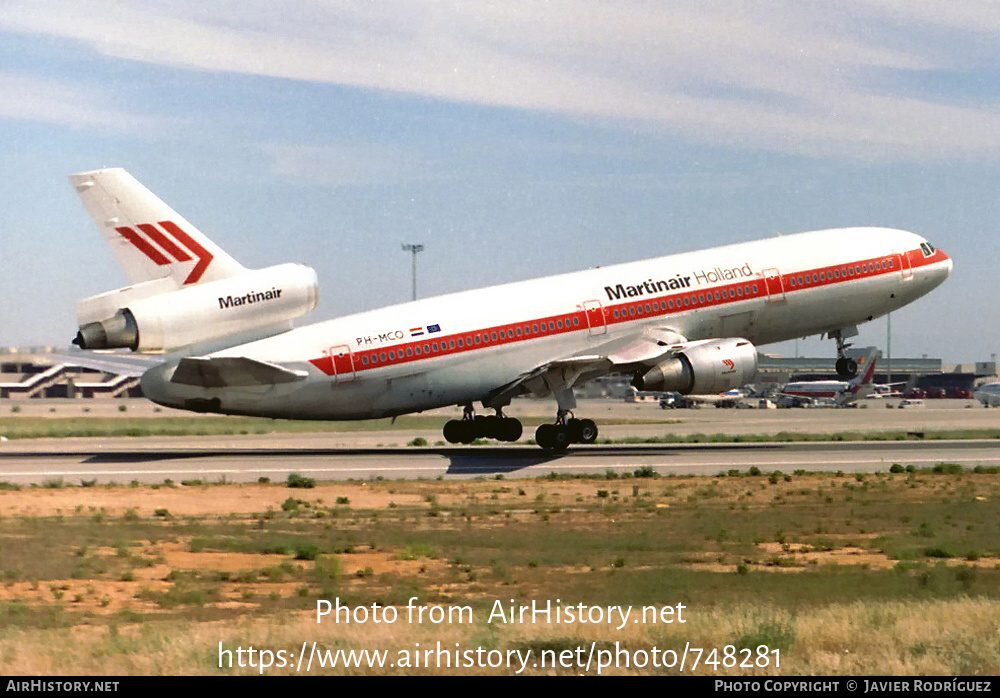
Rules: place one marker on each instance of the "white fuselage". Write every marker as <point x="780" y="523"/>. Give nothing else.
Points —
<point x="457" y="348"/>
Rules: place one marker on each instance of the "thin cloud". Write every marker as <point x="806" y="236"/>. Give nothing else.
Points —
<point x="33" y="98"/>
<point x="348" y="164"/>
<point x="785" y="77"/>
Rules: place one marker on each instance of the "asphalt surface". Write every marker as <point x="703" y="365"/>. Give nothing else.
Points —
<point x="366" y="454"/>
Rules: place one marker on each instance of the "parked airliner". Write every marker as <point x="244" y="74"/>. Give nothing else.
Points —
<point x="841" y="392"/>
<point x="689" y="322"/>
<point x="988" y="394"/>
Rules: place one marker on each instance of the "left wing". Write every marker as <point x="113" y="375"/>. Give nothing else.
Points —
<point x="232" y="371"/>
<point x="648" y="349"/>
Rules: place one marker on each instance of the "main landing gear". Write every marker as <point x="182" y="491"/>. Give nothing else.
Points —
<point x="558" y="436"/>
<point x="472" y="426"/>
<point x="552" y="437"/>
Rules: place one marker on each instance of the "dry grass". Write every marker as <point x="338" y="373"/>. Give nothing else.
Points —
<point x="895" y="638"/>
<point x="94" y="582"/>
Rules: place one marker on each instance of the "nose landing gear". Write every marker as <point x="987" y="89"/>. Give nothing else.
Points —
<point x="846" y="366"/>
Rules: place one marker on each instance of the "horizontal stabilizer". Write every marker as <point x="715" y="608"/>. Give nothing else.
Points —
<point x="131" y="365"/>
<point x="232" y="371"/>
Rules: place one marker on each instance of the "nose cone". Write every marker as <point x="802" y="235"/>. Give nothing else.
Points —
<point x="941" y="269"/>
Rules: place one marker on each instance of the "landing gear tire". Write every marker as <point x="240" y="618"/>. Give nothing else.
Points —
<point x="558" y="437"/>
<point x="460" y="431"/>
<point x="544" y="435"/>
<point x="510" y="429"/>
<point x="561" y="438"/>
<point x="847" y="368"/>
<point x="453" y="431"/>
<point x="553" y="437"/>
<point x="465" y="431"/>
<point x="584" y="431"/>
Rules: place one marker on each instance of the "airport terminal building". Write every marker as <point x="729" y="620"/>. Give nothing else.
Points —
<point x="33" y="373"/>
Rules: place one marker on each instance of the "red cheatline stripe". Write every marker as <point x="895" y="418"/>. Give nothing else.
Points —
<point x="753" y="290"/>
<point x="163" y="241"/>
<point x="143" y="245"/>
<point x="204" y="256"/>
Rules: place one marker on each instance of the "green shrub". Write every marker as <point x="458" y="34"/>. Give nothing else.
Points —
<point x="296" y="480"/>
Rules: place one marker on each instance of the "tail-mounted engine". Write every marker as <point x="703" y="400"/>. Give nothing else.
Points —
<point x="153" y="316"/>
<point x="703" y="368"/>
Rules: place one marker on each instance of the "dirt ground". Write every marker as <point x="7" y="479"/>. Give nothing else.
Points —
<point x="241" y="578"/>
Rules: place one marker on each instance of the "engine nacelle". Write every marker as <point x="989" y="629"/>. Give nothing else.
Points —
<point x="703" y="368"/>
<point x="258" y="299"/>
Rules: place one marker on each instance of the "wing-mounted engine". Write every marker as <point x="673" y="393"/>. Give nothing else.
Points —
<point x="703" y="367"/>
<point x="153" y="315"/>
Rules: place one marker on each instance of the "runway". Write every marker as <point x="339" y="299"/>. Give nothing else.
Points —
<point x="123" y="461"/>
<point x="365" y="454"/>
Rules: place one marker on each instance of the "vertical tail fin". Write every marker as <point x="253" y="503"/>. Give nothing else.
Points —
<point x="861" y="384"/>
<point x="149" y="239"/>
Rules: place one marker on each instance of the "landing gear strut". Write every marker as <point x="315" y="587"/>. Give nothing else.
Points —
<point x="558" y="436"/>
<point x="472" y="426"/>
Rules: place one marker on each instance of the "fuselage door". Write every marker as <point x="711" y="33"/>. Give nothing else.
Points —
<point x="343" y="364"/>
<point x="905" y="266"/>
<point x="773" y="284"/>
<point x="595" y="317"/>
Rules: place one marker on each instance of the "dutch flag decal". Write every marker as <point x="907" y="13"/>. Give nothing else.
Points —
<point x="420" y="331"/>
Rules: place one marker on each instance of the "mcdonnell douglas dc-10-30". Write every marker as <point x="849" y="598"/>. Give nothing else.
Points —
<point x="224" y="341"/>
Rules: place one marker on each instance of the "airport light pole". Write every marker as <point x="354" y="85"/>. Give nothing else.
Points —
<point x="413" y="248"/>
<point x="888" y="349"/>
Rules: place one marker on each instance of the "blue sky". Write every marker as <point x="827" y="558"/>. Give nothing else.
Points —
<point x="514" y="140"/>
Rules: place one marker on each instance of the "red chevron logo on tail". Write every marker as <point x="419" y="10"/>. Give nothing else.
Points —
<point x="167" y="246"/>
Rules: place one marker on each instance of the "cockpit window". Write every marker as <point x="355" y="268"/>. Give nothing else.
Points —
<point x="927" y="248"/>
